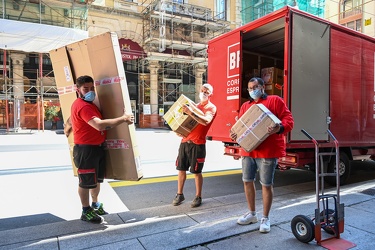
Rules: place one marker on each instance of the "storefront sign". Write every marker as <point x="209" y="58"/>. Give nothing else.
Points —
<point x="130" y="50"/>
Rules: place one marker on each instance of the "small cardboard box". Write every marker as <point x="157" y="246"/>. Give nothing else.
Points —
<point x="251" y="128"/>
<point x="272" y="75"/>
<point x="177" y="120"/>
<point x="100" y="57"/>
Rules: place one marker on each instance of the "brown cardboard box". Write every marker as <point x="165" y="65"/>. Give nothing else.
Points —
<point x="273" y="79"/>
<point x="177" y="120"/>
<point x="100" y="57"/>
<point x="251" y="128"/>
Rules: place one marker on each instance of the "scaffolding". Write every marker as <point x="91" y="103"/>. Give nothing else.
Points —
<point x="175" y="36"/>
<point x="24" y="98"/>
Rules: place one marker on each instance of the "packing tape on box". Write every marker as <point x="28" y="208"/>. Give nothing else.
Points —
<point x="116" y="144"/>
<point x="66" y="90"/>
<point x="109" y="80"/>
<point x="251" y="127"/>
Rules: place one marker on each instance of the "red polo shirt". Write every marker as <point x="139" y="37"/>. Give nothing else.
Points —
<point x="81" y="113"/>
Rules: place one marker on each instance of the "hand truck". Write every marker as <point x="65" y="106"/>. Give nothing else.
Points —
<point x="331" y="220"/>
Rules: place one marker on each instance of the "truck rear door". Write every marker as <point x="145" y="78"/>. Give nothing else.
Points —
<point x="224" y="57"/>
<point x="309" y="69"/>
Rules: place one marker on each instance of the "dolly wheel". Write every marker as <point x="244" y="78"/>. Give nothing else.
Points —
<point x="303" y="228"/>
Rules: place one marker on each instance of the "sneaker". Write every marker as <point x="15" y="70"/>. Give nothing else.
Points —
<point x="178" y="199"/>
<point x="91" y="216"/>
<point x="196" y="202"/>
<point x="247" y="218"/>
<point x="99" y="210"/>
<point x="265" y="226"/>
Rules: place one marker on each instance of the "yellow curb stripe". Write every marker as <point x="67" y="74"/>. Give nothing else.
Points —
<point x="169" y="178"/>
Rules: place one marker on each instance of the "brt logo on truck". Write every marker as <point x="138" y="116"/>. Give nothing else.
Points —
<point x="233" y="72"/>
<point x="233" y="65"/>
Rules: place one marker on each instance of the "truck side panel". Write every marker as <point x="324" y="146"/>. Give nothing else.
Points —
<point x="224" y="74"/>
<point x="352" y="89"/>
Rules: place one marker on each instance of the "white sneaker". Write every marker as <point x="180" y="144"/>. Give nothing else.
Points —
<point x="265" y="226"/>
<point x="247" y="218"/>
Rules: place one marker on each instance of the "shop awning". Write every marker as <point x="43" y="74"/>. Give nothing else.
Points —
<point x="130" y="50"/>
<point x="34" y="37"/>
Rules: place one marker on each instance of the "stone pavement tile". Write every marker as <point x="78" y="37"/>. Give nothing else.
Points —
<point x="132" y="244"/>
<point x="360" y="219"/>
<point x="368" y="206"/>
<point x="46" y="244"/>
<point x="193" y="235"/>
<point x="363" y="240"/>
<point x="119" y="233"/>
<point x="278" y="238"/>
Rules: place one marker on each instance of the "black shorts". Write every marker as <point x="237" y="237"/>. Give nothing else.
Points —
<point x="191" y="156"/>
<point x="90" y="161"/>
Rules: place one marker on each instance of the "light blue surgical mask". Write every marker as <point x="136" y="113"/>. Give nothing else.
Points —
<point x="256" y="94"/>
<point x="89" y="96"/>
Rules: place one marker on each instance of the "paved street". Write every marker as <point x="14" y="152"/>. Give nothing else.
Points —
<point x="45" y="197"/>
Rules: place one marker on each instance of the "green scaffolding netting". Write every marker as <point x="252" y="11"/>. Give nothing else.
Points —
<point x="254" y="9"/>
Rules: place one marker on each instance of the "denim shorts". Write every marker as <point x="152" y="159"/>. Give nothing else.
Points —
<point x="265" y="166"/>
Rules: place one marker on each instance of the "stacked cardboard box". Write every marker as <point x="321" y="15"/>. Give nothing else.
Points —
<point x="273" y="79"/>
<point x="100" y="57"/>
<point x="177" y="120"/>
<point x="252" y="127"/>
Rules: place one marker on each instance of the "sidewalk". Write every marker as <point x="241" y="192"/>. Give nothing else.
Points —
<point x="211" y="226"/>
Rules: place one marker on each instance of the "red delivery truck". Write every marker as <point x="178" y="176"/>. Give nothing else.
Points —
<point x="323" y="71"/>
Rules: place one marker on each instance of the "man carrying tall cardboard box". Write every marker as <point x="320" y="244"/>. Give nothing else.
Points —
<point x="89" y="130"/>
<point x="192" y="151"/>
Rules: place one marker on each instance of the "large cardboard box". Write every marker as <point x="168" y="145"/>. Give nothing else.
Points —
<point x="251" y="128"/>
<point x="273" y="79"/>
<point x="100" y="57"/>
<point x="177" y="120"/>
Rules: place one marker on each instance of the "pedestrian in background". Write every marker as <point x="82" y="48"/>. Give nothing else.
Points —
<point x="192" y="150"/>
<point x="89" y="131"/>
<point x="263" y="159"/>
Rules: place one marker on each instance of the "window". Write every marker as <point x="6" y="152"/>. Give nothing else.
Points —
<point x="220" y="9"/>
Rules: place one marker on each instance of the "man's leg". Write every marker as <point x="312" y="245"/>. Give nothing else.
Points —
<point x="181" y="181"/>
<point x="249" y="188"/>
<point x="198" y="184"/>
<point x="95" y="193"/>
<point x="267" y="195"/>
<point x="84" y="196"/>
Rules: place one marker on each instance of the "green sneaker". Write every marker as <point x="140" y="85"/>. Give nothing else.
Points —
<point x="99" y="210"/>
<point x="91" y="216"/>
<point x="196" y="202"/>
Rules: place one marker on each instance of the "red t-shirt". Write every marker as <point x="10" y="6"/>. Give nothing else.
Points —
<point x="198" y="135"/>
<point x="274" y="145"/>
<point x="81" y="113"/>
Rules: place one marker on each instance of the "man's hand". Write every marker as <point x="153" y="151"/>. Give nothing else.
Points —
<point x="187" y="109"/>
<point x="67" y="127"/>
<point x="274" y="129"/>
<point x="232" y="135"/>
<point x="128" y="118"/>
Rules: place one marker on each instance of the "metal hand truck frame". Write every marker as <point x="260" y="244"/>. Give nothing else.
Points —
<point x="328" y="219"/>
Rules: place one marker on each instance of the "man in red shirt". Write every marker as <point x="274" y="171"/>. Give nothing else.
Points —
<point x="192" y="151"/>
<point x="263" y="159"/>
<point x="89" y="130"/>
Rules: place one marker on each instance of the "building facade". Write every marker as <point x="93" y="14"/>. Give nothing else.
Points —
<point x="163" y="44"/>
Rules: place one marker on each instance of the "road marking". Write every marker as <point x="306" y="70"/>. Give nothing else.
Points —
<point x="170" y="178"/>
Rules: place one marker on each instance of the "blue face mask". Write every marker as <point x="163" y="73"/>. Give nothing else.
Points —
<point x="255" y="94"/>
<point x="89" y="96"/>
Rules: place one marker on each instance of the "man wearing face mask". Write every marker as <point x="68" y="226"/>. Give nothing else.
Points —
<point x="263" y="159"/>
<point x="89" y="130"/>
<point x="192" y="151"/>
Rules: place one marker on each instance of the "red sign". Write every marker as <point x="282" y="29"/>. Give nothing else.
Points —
<point x="130" y="50"/>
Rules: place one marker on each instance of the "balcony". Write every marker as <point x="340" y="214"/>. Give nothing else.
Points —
<point x="351" y="13"/>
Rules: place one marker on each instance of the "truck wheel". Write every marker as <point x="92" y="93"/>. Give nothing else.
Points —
<point x="303" y="228"/>
<point x="344" y="170"/>
<point x="331" y="220"/>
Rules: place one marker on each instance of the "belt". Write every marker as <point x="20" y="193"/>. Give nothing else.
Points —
<point x="189" y="141"/>
<point x="88" y="145"/>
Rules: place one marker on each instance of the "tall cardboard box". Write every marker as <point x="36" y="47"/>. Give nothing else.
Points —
<point x="251" y="128"/>
<point x="100" y="57"/>
<point x="273" y="80"/>
<point x="177" y="120"/>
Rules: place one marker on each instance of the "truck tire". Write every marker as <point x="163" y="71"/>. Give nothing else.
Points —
<point x="344" y="170"/>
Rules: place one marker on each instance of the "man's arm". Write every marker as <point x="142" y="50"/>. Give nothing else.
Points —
<point x="67" y="127"/>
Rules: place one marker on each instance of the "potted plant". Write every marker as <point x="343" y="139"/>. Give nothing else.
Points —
<point x="50" y="114"/>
